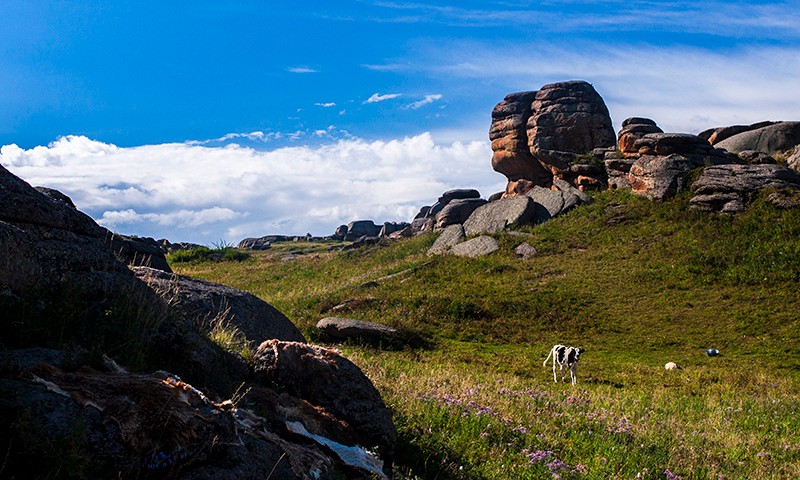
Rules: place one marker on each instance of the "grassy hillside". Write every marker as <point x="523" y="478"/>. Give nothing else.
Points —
<point x="636" y="283"/>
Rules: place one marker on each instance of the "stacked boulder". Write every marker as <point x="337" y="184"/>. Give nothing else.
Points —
<point x="565" y="126"/>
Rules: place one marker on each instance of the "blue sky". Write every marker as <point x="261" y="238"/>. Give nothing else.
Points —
<point x="204" y="121"/>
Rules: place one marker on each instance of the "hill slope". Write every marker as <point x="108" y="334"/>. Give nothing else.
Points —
<point x="636" y="283"/>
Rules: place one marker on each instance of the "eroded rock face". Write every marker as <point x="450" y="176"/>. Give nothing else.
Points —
<point x="509" y="136"/>
<point x="457" y="211"/>
<point x="665" y="160"/>
<point x="347" y="328"/>
<point x="451" y="235"/>
<point x="731" y="188"/>
<point x="718" y="134"/>
<point x="568" y="119"/>
<point x="543" y="134"/>
<point x="632" y="130"/>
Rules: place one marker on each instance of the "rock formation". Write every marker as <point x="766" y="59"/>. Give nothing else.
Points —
<point x="68" y="301"/>
<point x="730" y="188"/>
<point x="561" y="123"/>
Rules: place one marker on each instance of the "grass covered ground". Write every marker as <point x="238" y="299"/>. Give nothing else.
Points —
<point x="634" y="282"/>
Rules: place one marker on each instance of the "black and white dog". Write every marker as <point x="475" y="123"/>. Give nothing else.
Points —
<point x="564" y="356"/>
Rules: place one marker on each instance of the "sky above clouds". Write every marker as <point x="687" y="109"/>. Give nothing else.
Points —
<point x="206" y="121"/>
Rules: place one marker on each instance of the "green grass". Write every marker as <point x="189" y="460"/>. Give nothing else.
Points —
<point x="634" y="282"/>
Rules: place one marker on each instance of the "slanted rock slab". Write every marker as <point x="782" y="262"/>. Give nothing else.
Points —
<point x="450" y="236"/>
<point x="730" y="188"/>
<point x="348" y="328"/>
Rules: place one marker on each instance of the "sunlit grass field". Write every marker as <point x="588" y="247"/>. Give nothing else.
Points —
<point x="635" y="283"/>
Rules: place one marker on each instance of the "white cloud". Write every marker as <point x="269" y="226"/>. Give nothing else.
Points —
<point x="326" y="104"/>
<point x="187" y="192"/>
<point x="425" y="101"/>
<point x="301" y="70"/>
<point x="377" y="97"/>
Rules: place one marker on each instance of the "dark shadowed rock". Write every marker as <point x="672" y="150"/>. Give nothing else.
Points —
<point x="793" y="161"/>
<point x="618" y="170"/>
<point x="476" y="247"/>
<point x="56" y="195"/>
<point x="208" y="302"/>
<point x="458" y="194"/>
<point x="325" y="379"/>
<point x="361" y="228"/>
<point x="730" y="188"/>
<point x="457" y="211"/>
<point x="450" y="236"/>
<point x="389" y="228"/>
<point x="138" y="252"/>
<point x="499" y="215"/>
<point x="772" y="139"/>
<point x="568" y="119"/>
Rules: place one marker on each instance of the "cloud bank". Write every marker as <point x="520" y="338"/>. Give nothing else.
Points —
<point x="190" y="192"/>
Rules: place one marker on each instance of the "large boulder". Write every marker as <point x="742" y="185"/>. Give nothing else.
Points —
<point x="327" y="380"/>
<point x="568" y="119"/>
<point x="730" y="188"/>
<point x="361" y="228"/>
<point x="774" y="138"/>
<point x="252" y="243"/>
<point x="509" y="136"/>
<point x="457" y="211"/>
<point x="499" y="215"/>
<point x="213" y="305"/>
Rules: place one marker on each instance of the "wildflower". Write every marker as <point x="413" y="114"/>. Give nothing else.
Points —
<point x="764" y="455"/>
<point x="671" y="476"/>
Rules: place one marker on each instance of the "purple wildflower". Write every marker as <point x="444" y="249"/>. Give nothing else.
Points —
<point x="671" y="476"/>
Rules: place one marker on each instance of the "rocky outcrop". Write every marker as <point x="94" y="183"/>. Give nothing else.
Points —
<point x="560" y="124"/>
<point x="772" y="138"/>
<point x="731" y="188"/>
<point x="632" y="130"/>
<point x="260" y="243"/>
<point x="665" y="160"/>
<point x="793" y="161"/>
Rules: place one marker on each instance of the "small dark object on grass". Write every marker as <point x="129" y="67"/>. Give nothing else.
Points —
<point x="712" y="352"/>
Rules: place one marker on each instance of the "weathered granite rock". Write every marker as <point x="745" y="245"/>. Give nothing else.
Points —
<point x="666" y="159"/>
<point x="550" y="203"/>
<point x="325" y="379"/>
<point x="499" y="215"/>
<point x="730" y="188"/>
<point x="457" y="211"/>
<point x="509" y="136"/>
<point x="348" y="328"/>
<point x="139" y="252"/>
<point x="775" y="138"/>
<point x="475" y="247"/>
<point x="525" y="251"/>
<point x="632" y="130"/>
<point x="754" y="157"/>
<point x="568" y="119"/>
<point x="450" y="236"/>
<point x="718" y="134"/>
<point x="618" y="170"/>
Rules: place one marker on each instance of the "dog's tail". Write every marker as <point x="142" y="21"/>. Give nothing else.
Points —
<point x="548" y="357"/>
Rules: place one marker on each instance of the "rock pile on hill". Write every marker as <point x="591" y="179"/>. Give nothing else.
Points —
<point x="71" y="308"/>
